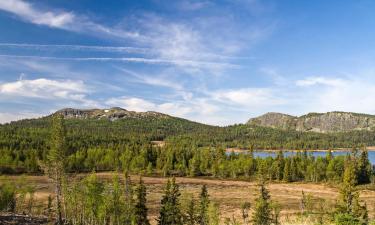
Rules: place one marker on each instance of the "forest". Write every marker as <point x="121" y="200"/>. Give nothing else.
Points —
<point x="108" y="145"/>
<point x="92" y="201"/>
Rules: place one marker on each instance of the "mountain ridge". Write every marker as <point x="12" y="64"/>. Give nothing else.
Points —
<point x="329" y="122"/>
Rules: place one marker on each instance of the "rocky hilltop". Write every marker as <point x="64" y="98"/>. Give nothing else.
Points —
<point x="111" y="114"/>
<point x="317" y="122"/>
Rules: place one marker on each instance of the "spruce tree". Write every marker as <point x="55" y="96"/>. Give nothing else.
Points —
<point x="203" y="207"/>
<point x="56" y="161"/>
<point x="140" y="210"/>
<point x="364" y="168"/>
<point x="170" y="213"/>
<point x="190" y="217"/>
<point x="287" y="176"/>
<point x="129" y="201"/>
<point x="349" y="210"/>
<point x="262" y="213"/>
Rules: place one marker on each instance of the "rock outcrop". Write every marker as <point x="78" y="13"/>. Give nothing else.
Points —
<point x="111" y="114"/>
<point x="317" y="122"/>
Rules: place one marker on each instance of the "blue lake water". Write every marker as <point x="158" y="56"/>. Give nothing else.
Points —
<point x="263" y="154"/>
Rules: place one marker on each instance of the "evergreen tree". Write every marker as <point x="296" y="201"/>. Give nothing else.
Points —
<point x="190" y="216"/>
<point x="287" y="176"/>
<point x="129" y="201"/>
<point x="349" y="210"/>
<point x="56" y="161"/>
<point x="364" y="168"/>
<point x="280" y="165"/>
<point x="140" y="211"/>
<point x="262" y="213"/>
<point x="170" y="213"/>
<point x="203" y="207"/>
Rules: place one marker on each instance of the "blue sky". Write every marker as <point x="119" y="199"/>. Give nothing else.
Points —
<point x="217" y="62"/>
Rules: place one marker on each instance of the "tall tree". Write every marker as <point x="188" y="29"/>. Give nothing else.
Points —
<point x="140" y="206"/>
<point x="364" y="168"/>
<point x="349" y="210"/>
<point x="262" y="213"/>
<point x="56" y="160"/>
<point x="129" y="201"/>
<point x="203" y="218"/>
<point x="170" y="213"/>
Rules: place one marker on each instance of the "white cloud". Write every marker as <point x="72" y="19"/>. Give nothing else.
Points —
<point x="337" y="94"/>
<point x="311" y="81"/>
<point x="67" y="90"/>
<point x="61" y="19"/>
<point x="96" y="48"/>
<point x="248" y="97"/>
<point x="34" y="15"/>
<point x="43" y="88"/>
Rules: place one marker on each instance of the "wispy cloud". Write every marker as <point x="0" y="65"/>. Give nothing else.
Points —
<point x="60" y="19"/>
<point x="116" y="49"/>
<point x="311" y="81"/>
<point x="29" y="13"/>
<point x="155" y="61"/>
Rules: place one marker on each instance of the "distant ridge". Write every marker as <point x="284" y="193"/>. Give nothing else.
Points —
<point x="317" y="122"/>
<point x="112" y="114"/>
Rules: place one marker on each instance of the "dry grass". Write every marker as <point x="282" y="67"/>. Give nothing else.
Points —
<point x="229" y="194"/>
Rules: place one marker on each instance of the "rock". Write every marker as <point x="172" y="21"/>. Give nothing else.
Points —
<point x="317" y="122"/>
<point x="110" y="114"/>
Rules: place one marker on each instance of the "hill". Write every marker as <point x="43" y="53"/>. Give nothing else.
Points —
<point x="317" y="122"/>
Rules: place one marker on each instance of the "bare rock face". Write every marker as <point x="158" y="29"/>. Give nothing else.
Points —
<point x="111" y="114"/>
<point x="317" y="122"/>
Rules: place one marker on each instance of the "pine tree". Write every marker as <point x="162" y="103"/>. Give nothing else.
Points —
<point x="129" y="201"/>
<point x="364" y="168"/>
<point x="56" y="161"/>
<point x="170" y="213"/>
<point x="203" y="207"/>
<point x="140" y="206"/>
<point x="262" y="213"/>
<point x="287" y="176"/>
<point x="349" y="210"/>
<point x="190" y="216"/>
<point x="280" y="165"/>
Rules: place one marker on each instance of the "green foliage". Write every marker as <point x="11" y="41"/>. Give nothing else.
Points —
<point x="170" y="213"/>
<point x="204" y="202"/>
<point x="7" y="197"/>
<point x="262" y="213"/>
<point x="349" y="210"/>
<point x="140" y="209"/>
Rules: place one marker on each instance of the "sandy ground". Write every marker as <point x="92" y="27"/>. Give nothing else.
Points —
<point x="229" y="194"/>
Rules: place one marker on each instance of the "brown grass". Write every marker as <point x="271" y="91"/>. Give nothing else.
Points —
<point x="229" y="194"/>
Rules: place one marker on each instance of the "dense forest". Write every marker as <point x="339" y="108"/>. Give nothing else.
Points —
<point x="191" y="149"/>
<point x="106" y="145"/>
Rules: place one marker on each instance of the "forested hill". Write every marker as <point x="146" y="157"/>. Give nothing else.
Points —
<point x="317" y="122"/>
<point x="118" y="127"/>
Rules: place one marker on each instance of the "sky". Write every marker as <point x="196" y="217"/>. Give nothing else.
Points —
<point x="216" y="62"/>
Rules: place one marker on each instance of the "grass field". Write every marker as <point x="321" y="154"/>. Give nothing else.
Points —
<point x="229" y="194"/>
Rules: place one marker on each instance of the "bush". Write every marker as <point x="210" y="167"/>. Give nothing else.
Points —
<point x="7" y="198"/>
<point x="346" y="219"/>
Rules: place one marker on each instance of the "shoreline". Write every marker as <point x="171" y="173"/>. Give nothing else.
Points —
<point x="237" y="150"/>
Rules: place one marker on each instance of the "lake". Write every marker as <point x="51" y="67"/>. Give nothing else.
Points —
<point x="263" y="154"/>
